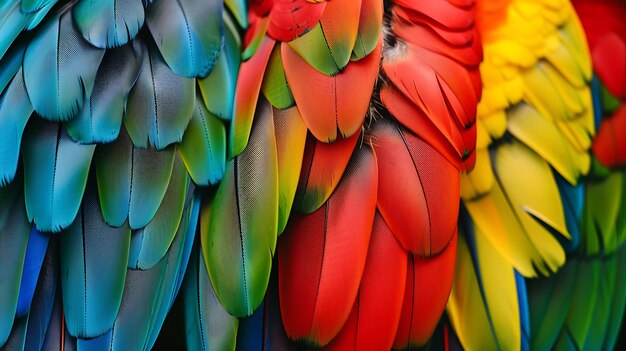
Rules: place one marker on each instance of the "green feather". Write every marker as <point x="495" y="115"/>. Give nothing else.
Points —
<point x="93" y="266"/>
<point x="208" y="324"/>
<point x="189" y="34"/>
<point x="239" y="225"/>
<point x="55" y="175"/>
<point x="60" y="69"/>
<point x="275" y="86"/>
<point x="132" y="181"/>
<point x="203" y="149"/>
<point x="618" y="301"/>
<point x="584" y="301"/>
<point x="159" y="105"/>
<point x="108" y="23"/>
<point x="15" y="110"/>
<point x="152" y="242"/>
<point x="239" y="10"/>
<point x="100" y="120"/>
<point x="313" y="48"/>
<point x="14" y="232"/>
<point x="603" y="201"/>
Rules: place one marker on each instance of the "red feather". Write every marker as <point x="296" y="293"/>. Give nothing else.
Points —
<point x="376" y="312"/>
<point x="426" y="293"/>
<point x="322" y="167"/>
<point x="329" y="103"/>
<point x="609" y="146"/>
<point x="321" y="256"/>
<point x="418" y="191"/>
<point x="290" y="19"/>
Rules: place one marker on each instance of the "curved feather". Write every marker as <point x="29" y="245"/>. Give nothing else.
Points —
<point x="55" y="175"/>
<point x="275" y="87"/>
<point x="342" y="100"/>
<point x="415" y="175"/>
<point x="100" y="119"/>
<point x="160" y="103"/>
<point x="12" y="22"/>
<point x="15" y="110"/>
<point x="189" y="34"/>
<point x="289" y="19"/>
<point x="208" y="324"/>
<point x="109" y="23"/>
<point x="150" y="243"/>
<point x="485" y="290"/>
<point x="218" y="88"/>
<point x="322" y="168"/>
<point x="93" y="261"/>
<point x="33" y="261"/>
<point x="422" y="307"/>
<point x="14" y="233"/>
<point x="370" y="26"/>
<point x="60" y="69"/>
<point x="376" y="312"/>
<point x="239" y="225"/>
<point x="322" y="255"/>
<point x="291" y="134"/>
<point x="203" y="149"/>
<point x="132" y="182"/>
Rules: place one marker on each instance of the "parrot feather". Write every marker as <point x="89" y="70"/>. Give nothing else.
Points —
<point x="108" y="23"/>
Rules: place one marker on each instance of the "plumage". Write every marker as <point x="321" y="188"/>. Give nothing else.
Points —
<point x="326" y="251"/>
<point x="239" y="225"/>
<point x="110" y="23"/>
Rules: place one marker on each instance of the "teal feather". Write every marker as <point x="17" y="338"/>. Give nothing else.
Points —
<point x="35" y="5"/>
<point x="148" y="295"/>
<point x="14" y="232"/>
<point x="108" y="23"/>
<point x="12" y="22"/>
<point x="100" y="119"/>
<point x="203" y="149"/>
<point x="11" y="63"/>
<point x="40" y="14"/>
<point x="151" y="243"/>
<point x="160" y="104"/>
<point x="17" y="339"/>
<point x="93" y="265"/>
<point x="208" y="324"/>
<point x="131" y="181"/>
<point x="218" y="88"/>
<point x="189" y="34"/>
<point x="55" y="175"/>
<point x="59" y="69"/>
<point x="15" y="110"/>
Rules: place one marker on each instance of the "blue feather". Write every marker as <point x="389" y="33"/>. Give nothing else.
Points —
<point x="572" y="198"/>
<point x="524" y="315"/>
<point x="596" y="95"/>
<point x="108" y="23"/>
<point x="35" y="253"/>
<point x="12" y="22"/>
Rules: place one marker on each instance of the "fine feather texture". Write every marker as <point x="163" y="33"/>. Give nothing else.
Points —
<point x="55" y="175"/>
<point x="239" y="225"/>
<point x="94" y="257"/>
<point x="59" y="69"/>
<point x="109" y="23"/>
<point x="322" y="255"/>
<point x="35" y="253"/>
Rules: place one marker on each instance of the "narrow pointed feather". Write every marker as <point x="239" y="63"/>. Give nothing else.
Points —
<point x="417" y="176"/>
<point x="11" y="63"/>
<point x="40" y="14"/>
<point x="532" y="219"/>
<point x="422" y="308"/>
<point x="341" y="102"/>
<point x="323" y="166"/>
<point x="55" y="174"/>
<point x="14" y="233"/>
<point x="484" y="290"/>
<point x="601" y="213"/>
<point x="275" y="86"/>
<point x="208" y="324"/>
<point x="109" y="23"/>
<point x="100" y="119"/>
<point x="57" y="337"/>
<point x="618" y="302"/>
<point x="370" y="26"/>
<point x="218" y="88"/>
<point x="376" y="312"/>
<point x="189" y="34"/>
<point x="572" y="198"/>
<point x="35" y="254"/>
<point x="584" y="301"/>
<point x="322" y="256"/>
<point x="239" y="225"/>
<point x="59" y="69"/>
<point x="290" y="142"/>
<point x="93" y="261"/>
<point x="203" y="149"/>
<point x="15" y="110"/>
<point x="246" y="96"/>
<point x="43" y="301"/>
<point x="603" y="305"/>
<point x="12" y="23"/>
<point x="131" y="181"/>
<point x="160" y="104"/>
<point x="34" y="5"/>
<point x="147" y="297"/>
<point x="151" y="243"/>
<point x="239" y="9"/>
